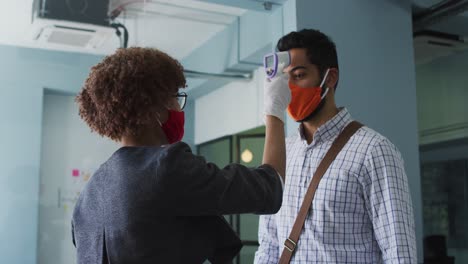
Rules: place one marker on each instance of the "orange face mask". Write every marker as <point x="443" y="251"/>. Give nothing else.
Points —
<point x="305" y="100"/>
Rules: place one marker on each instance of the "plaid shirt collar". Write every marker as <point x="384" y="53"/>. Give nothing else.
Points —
<point x="329" y="130"/>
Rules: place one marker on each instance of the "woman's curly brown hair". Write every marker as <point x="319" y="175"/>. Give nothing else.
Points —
<point x="123" y="92"/>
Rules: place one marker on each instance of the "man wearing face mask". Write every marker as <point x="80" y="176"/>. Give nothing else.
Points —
<point x="153" y="201"/>
<point x="346" y="204"/>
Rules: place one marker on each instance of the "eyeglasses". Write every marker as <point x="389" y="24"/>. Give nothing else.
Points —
<point x="182" y="99"/>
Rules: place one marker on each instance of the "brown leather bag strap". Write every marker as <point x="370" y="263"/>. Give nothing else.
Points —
<point x="291" y="243"/>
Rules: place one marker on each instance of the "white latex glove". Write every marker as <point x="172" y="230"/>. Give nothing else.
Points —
<point x="276" y="96"/>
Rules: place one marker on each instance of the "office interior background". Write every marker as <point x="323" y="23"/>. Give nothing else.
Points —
<point x="403" y="72"/>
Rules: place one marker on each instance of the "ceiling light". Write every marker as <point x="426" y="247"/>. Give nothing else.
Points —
<point x="247" y="156"/>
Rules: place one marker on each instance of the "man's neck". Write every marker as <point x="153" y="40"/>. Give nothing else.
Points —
<point x="311" y="126"/>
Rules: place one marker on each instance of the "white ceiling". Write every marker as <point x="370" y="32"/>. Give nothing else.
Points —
<point x="175" y="26"/>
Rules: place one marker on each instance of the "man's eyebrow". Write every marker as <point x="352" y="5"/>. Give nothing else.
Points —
<point x="297" y="68"/>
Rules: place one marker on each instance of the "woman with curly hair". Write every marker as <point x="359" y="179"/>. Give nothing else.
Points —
<point x="153" y="201"/>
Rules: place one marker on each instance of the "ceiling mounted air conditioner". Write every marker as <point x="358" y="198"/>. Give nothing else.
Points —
<point x="72" y="34"/>
<point x="71" y="23"/>
<point x="430" y="45"/>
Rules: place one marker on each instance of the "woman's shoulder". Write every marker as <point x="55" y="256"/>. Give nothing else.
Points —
<point x="177" y="147"/>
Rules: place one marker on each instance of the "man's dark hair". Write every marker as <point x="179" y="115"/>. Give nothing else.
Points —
<point x="321" y="50"/>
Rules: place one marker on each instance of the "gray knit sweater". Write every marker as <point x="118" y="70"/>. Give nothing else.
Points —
<point x="164" y="205"/>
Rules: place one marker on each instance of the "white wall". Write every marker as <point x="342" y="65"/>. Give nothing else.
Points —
<point x="24" y="74"/>
<point x="236" y="107"/>
<point x="67" y="144"/>
<point x="20" y="111"/>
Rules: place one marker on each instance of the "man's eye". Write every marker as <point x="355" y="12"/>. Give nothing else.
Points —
<point x="299" y="75"/>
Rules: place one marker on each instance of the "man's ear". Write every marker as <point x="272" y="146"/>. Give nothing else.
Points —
<point x="332" y="79"/>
